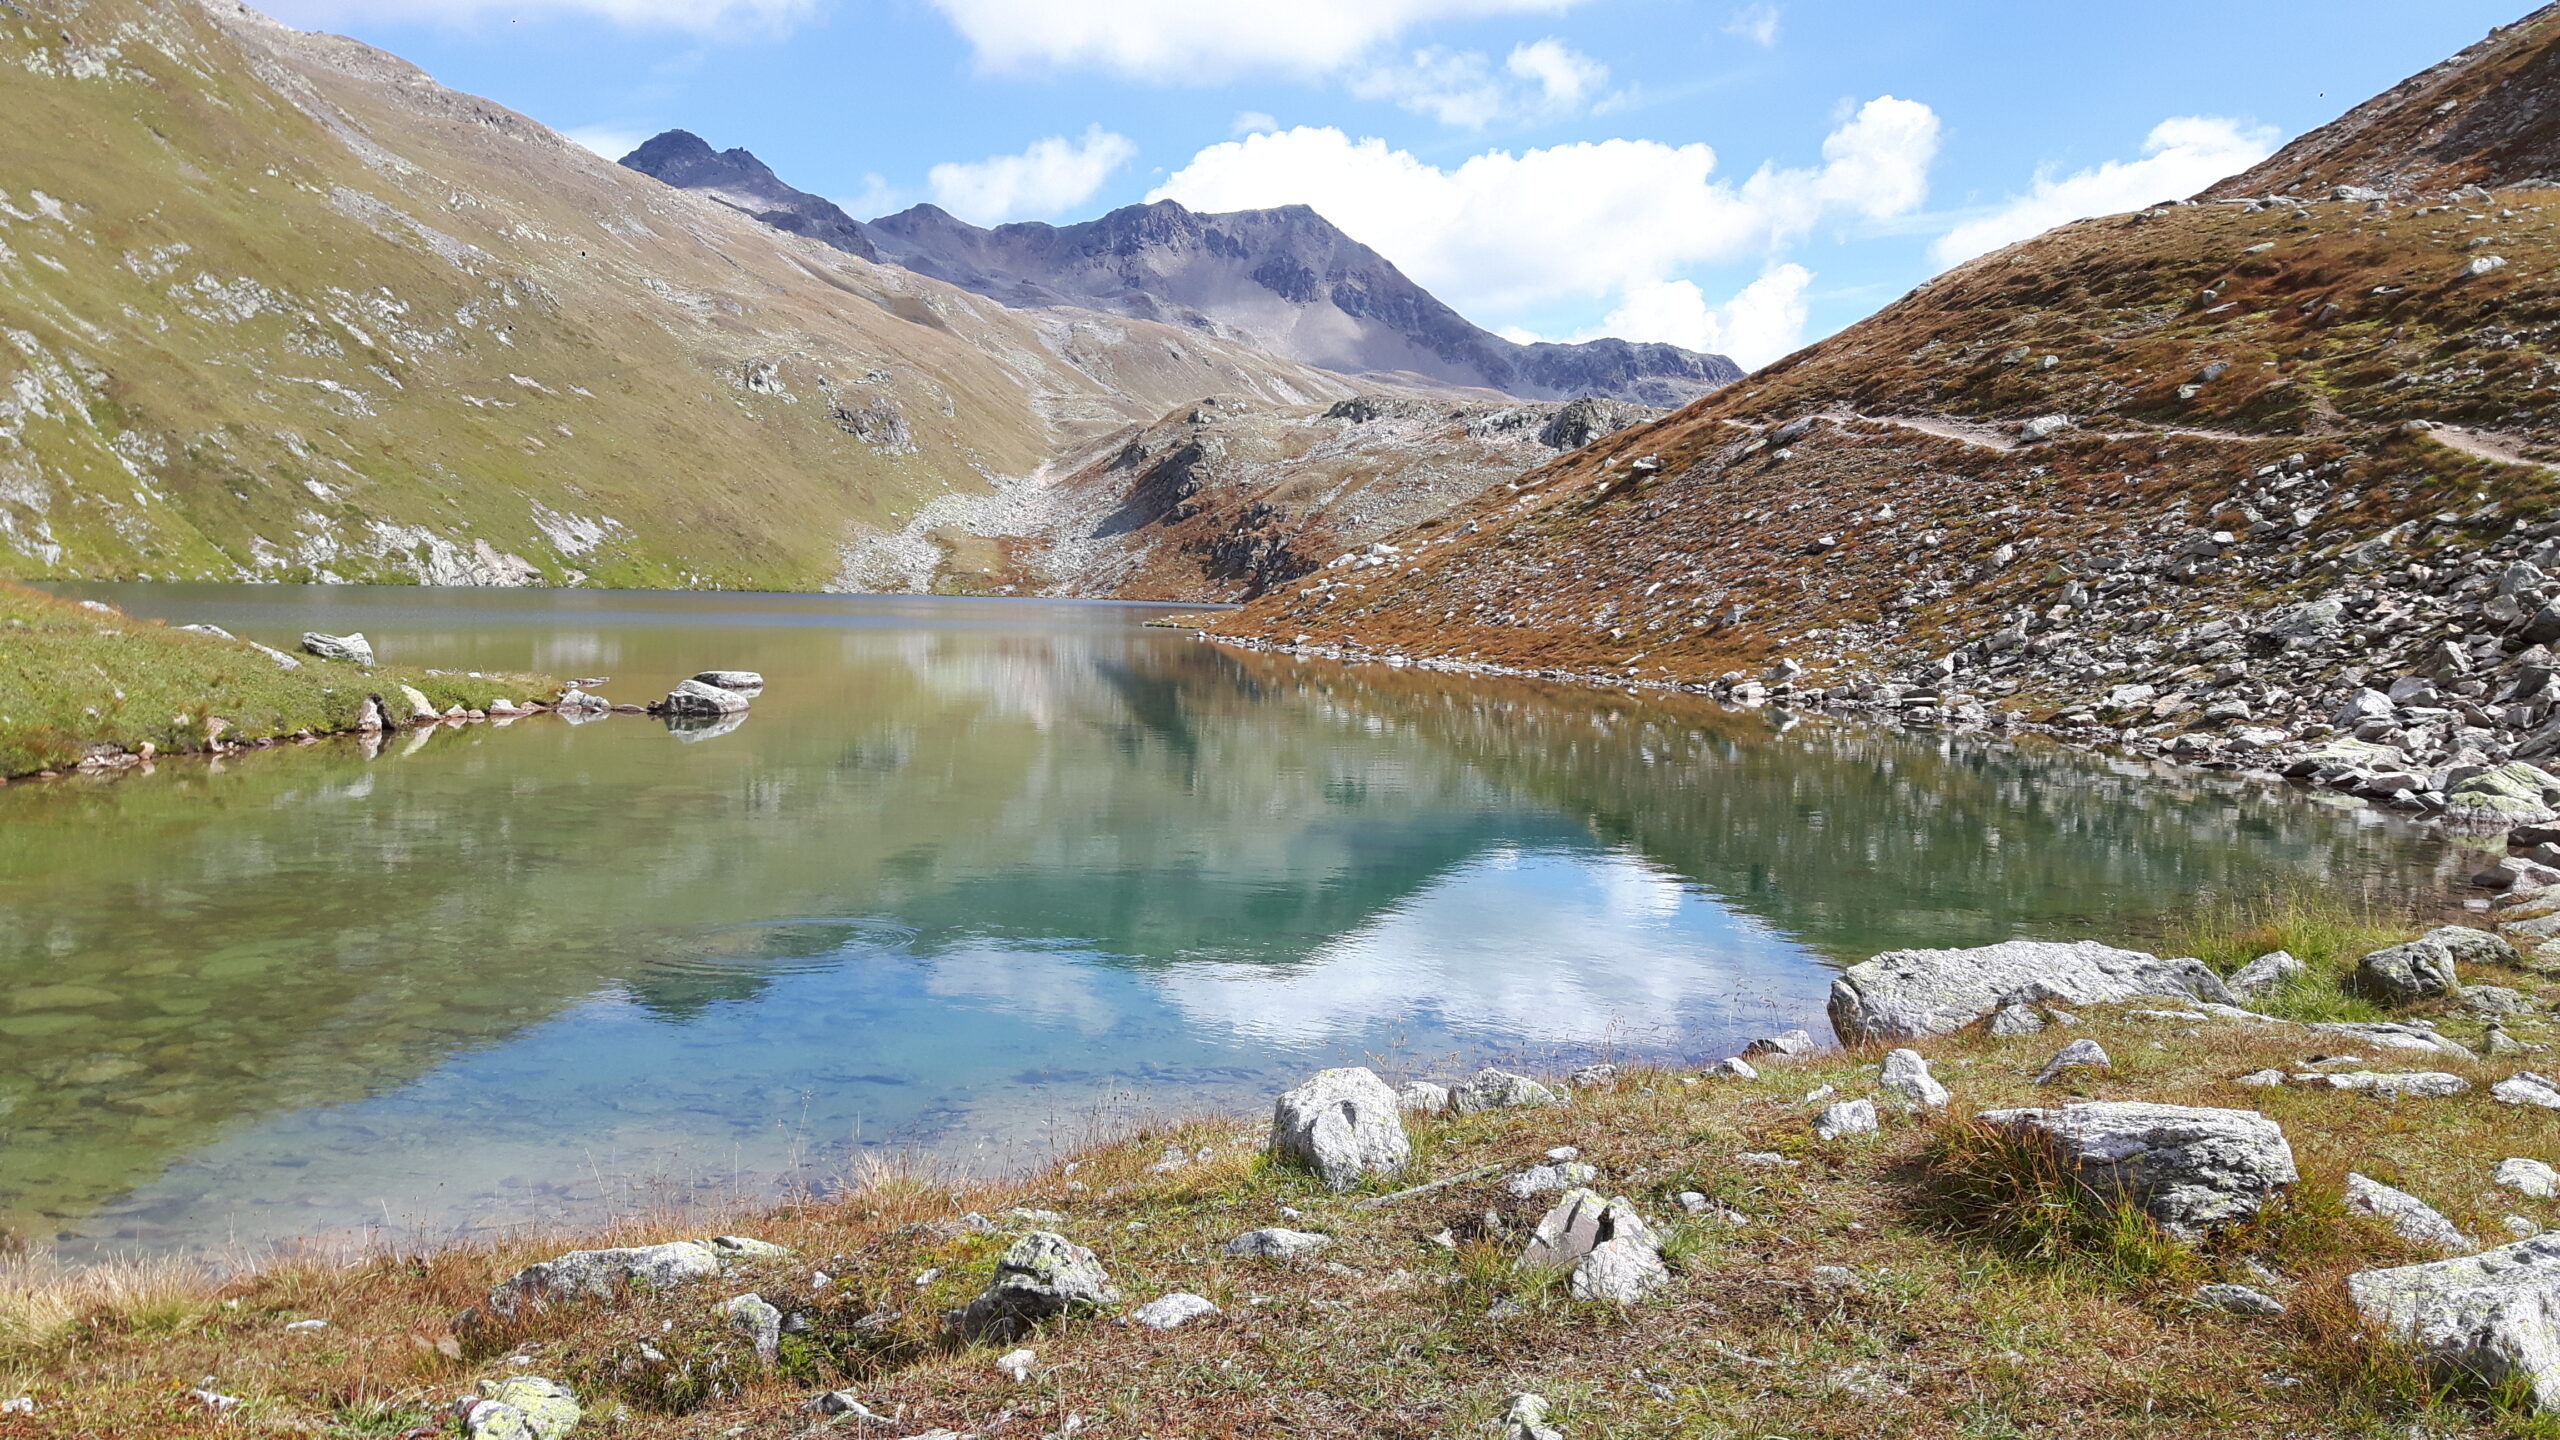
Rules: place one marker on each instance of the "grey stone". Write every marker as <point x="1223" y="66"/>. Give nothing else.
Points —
<point x="2418" y="970"/>
<point x="2495" y="1000"/>
<point x="2013" y="1020"/>
<point x="2261" y="1078"/>
<point x="2529" y="1177"/>
<point x="2078" y="1055"/>
<point x="1580" y="1222"/>
<point x="1848" y="1117"/>
<point x="2409" y="1085"/>
<point x="2268" y="972"/>
<point x="1786" y="1046"/>
<point x="1734" y="1067"/>
<point x="1167" y="1312"/>
<point x="1421" y="1097"/>
<point x="2493" y="1317"/>
<point x="2411" y="1218"/>
<point x="1906" y="1081"/>
<point x="2238" y="1300"/>
<point x="1619" y="1271"/>
<point x="1591" y="1077"/>
<point x="1040" y="1276"/>
<point x="603" y="1274"/>
<point x="1910" y="994"/>
<point x="354" y="649"/>
<point x="1343" y="1124"/>
<point x="1541" y="1179"/>
<point x="760" y="1322"/>
<point x="692" y="697"/>
<point x="2190" y="1168"/>
<point x="1493" y="1089"/>
<point x="1276" y="1244"/>
<point x="1526" y="1419"/>
<point x="747" y="680"/>
<point x="2526" y="1088"/>
<point x="2474" y="947"/>
<point x="2391" y="1035"/>
<point x="521" y="1407"/>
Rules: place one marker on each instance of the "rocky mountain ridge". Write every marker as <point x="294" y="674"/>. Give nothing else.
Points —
<point x="2219" y="480"/>
<point x="1285" y="279"/>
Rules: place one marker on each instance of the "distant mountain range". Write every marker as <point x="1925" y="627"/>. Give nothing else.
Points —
<point x="1287" y="280"/>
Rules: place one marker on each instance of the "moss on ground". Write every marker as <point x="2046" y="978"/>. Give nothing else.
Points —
<point x="78" y="679"/>
<point x="1988" y="1298"/>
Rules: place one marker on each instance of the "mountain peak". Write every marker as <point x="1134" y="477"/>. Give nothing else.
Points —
<point x="737" y="179"/>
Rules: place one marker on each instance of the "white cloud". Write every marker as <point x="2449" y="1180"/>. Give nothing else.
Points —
<point x="1202" y="40"/>
<point x="610" y="141"/>
<point x="1502" y="232"/>
<point x="1252" y="122"/>
<point x="2181" y="156"/>
<point x="1757" y="23"/>
<point x="1541" y="80"/>
<point x="1054" y="174"/>
<point x="702" y="17"/>
<point x="1762" y="322"/>
<point x="1565" y="77"/>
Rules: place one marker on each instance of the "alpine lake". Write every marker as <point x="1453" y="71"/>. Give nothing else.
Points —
<point x="973" y="880"/>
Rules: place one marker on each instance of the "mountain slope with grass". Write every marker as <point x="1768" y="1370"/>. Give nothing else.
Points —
<point x="2192" y="478"/>
<point x="277" y="306"/>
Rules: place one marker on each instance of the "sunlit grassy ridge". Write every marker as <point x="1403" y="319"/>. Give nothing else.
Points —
<point x="75" y="678"/>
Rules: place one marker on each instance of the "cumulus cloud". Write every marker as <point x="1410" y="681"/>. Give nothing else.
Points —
<point x="702" y="17"/>
<point x="2181" y="156"/>
<point x="1502" y="232"/>
<point x="610" y="141"/>
<point x="1757" y="23"/>
<point x="1540" y="80"/>
<point x="1054" y="174"/>
<point x="1201" y="40"/>
<point x="1252" y="122"/>
<point x="1760" y="323"/>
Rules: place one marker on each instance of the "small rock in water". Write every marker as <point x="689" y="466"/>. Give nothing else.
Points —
<point x="746" y="680"/>
<point x="1167" y="1312"/>
<point x="695" y="698"/>
<point x="354" y="649"/>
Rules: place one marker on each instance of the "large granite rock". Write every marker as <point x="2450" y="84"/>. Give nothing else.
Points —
<point x="1614" y="1255"/>
<point x="2411" y="1218"/>
<point x="354" y="649"/>
<point x="693" y="697"/>
<point x="2422" y="969"/>
<point x="603" y="1274"/>
<point x="1910" y="994"/>
<point x="1343" y="1124"/>
<point x="2494" y="1316"/>
<point x="1040" y="1276"/>
<point x="2188" y="1167"/>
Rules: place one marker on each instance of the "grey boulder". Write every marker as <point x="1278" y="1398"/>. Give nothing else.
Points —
<point x="1907" y="1083"/>
<point x="1621" y="1272"/>
<point x="2419" y="970"/>
<point x="603" y="1274"/>
<point x="2526" y="1088"/>
<point x="1040" y="1276"/>
<point x="747" y="680"/>
<point x="1167" y="1312"/>
<point x="2494" y="1316"/>
<point x="1276" y="1244"/>
<point x="2190" y="1168"/>
<point x="1421" y="1097"/>
<point x="2474" y="947"/>
<point x="1493" y="1089"/>
<point x="2268" y="972"/>
<point x="2078" y="1055"/>
<point x="1911" y="994"/>
<point x="757" y="1319"/>
<point x="692" y="697"/>
<point x="2411" y="1218"/>
<point x="1343" y="1124"/>
<point x="1846" y="1118"/>
<point x="1579" y="1222"/>
<point x="354" y="649"/>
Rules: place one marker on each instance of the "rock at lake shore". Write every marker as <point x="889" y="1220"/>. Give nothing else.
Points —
<point x="1907" y="1083"/>
<point x="2419" y="970"/>
<point x="354" y="649"/>
<point x="695" y="698"/>
<point x="1040" y="1276"/>
<point x="603" y="1274"/>
<point x="742" y="680"/>
<point x="1913" y="994"/>
<point x="2188" y="1167"/>
<point x="1343" y="1124"/>
<point x="1789" y="1045"/>
<point x="2268" y="972"/>
<point x="1615" y="1256"/>
<point x="2474" y="947"/>
<point x="1421" y="1097"/>
<point x="1493" y="1089"/>
<point x="2494" y="1316"/>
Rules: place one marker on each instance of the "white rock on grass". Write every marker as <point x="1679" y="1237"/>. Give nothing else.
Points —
<point x="1734" y="1068"/>
<point x="1906" y="1082"/>
<point x="1580" y="1222"/>
<point x="1017" y="1364"/>
<point x="354" y="649"/>
<point x="1343" y="1124"/>
<point x="2529" y="1177"/>
<point x="2267" y="973"/>
<point x="422" y="711"/>
<point x="1493" y="1089"/>
<point x="1040" y="1276"/>
<point x="2494" y="1316"/>
<point x="521" y="1407"/>
<point x="2238" y="1300"/>
<point x="2078" y="1055"/>
<point x="2406" y="1085"/>
<point x="1789" y="1045"/>
<point x="760" y="1322"/>
<point x="1526" y="1419"/>
<point x="1540" y="1179"/>
<point x="1421" y="1097"/>
<point x="1167" y="1312"/>
<point x="2262" y="1078"/>
<point x="1621" y="1272"/>
<point x="1912" y="994"/>
<point x="2411" y="1218"/>
<point x="2191" y="1168"/>
<point x="2526" y="1088"/>
<point x="603" y="1274"/>
<point x="1276" y="1244"/>
<point x="1847" y="1117"/>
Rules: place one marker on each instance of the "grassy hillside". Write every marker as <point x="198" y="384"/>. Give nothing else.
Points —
<point x="279" y="307"/>
<point x="1915" y="1282"/>
<point x="79" y="680"/>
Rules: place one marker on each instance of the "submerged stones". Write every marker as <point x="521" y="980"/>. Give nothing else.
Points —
<point x="1040" y="1276"/>
<point x="693" y="698"/>
<point x="2190" y="1168"/>
<point x="1343" y="1124"/>
<point x="1913" y="994"/>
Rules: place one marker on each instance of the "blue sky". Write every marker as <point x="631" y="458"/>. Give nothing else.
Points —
<point x="1732" y="176"/>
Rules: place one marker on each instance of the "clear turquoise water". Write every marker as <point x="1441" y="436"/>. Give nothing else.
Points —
<point x="974" y="877"/>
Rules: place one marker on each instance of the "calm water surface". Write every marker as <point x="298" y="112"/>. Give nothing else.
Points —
<point x="972" y="876"/>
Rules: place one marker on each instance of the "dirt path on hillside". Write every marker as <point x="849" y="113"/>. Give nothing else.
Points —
<point x="2483" y="445"/>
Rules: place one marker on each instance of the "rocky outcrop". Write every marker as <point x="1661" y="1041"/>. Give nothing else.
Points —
<point x="2411" y="1218"/>
<point x="1910" y="994"/>
<point x="2493" y="1317"/>
<point x="1611" y="1253"/>
<point x="737" y="179"/>
<point x="694" y="698"/>
<point x="1041" y="1276"/>
<point x="1344" y="1124"/>
<point x="2190" y="1168"/>
<point x="2419" y="970"/>
<point x="354" y="649"/>
<point x="603" y="1274"/>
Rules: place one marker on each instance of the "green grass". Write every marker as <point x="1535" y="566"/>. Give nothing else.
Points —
<point x="2326" y="931"/>
<point x="74" y="680"/>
